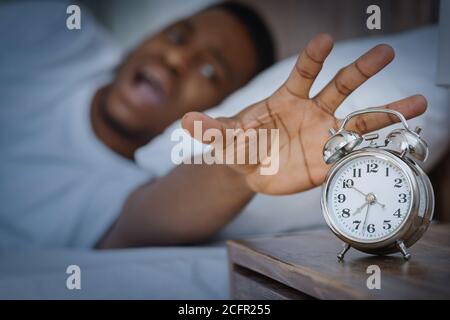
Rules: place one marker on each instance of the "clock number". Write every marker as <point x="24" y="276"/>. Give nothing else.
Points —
<point x="398" y="183"/>
<point x="386" y="224"/>
<point x="402" y="198"/>
<point x="397" y="213"/>
<point x="357" y="222"/>
<point x="387" y="171"/>
<point x="371" y="228"/>
<point x="357" y="173"/>
<point x="341" y="198"/>
<point x="349" y="183"/>
<point x="372" y="167"/>
<point x="346" y="213"/>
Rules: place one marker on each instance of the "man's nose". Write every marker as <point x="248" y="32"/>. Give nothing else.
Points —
<point x="180" y="58"/>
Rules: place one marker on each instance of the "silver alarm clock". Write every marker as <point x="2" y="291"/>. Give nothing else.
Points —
<point x="377" y="199"/>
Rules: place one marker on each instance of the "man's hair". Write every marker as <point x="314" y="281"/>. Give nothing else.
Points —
<point x="257" y="29"/>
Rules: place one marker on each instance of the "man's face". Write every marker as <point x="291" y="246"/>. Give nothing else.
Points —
<point x="189" y="66"/>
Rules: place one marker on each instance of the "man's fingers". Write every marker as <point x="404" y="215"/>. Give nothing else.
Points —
<point x="308" y="65"/>
<point x="228" y="140"/>
<point x="352" y="76"/>
<point x="192" y="119"/>
<point x="410" y="107"/>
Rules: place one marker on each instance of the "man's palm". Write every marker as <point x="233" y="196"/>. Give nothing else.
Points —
<point x="303" y="122"/>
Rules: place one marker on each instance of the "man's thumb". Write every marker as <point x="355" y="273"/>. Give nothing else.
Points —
<point x="191" y="118"/>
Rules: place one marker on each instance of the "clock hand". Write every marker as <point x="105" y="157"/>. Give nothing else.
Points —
<point x="365" y="220"/>
<point x="360" y="208"/>
<point x="365" y="195"/>
<point x="382" y="205"/>
<point x="371" y="198"/>
<point x="357" y="190"/>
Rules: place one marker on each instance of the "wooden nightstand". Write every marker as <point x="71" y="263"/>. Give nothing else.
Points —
<point x="304" y="266"/>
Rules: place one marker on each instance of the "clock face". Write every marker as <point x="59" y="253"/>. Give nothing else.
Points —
<point x="369" y="198"/>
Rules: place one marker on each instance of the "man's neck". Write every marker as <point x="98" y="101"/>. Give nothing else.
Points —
<point x="110" y="137"/>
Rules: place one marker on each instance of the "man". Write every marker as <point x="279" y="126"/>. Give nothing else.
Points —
<point x="61" y="105"/>
<point x="192" y="202"/>
<point x="191" y="65"/>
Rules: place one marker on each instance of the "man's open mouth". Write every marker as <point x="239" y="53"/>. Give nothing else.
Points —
<point x="150" y="86"/>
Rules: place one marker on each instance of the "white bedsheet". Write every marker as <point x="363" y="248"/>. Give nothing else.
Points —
<point x="157" y="273"/>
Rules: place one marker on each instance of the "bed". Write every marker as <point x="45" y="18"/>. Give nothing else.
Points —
<point x="201" y="272"/>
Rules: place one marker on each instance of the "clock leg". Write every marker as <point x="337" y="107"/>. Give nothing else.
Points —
<point x="401" y="246"/>
<point x="341" y="254"/>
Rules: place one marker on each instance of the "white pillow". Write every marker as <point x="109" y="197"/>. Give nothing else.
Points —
<point x="413" y="71"/>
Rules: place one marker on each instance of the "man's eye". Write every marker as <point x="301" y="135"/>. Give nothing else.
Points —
<point x="177" y="37"/>
<point x="209" y="72"/>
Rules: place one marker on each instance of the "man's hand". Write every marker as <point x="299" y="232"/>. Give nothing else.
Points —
<point x="303" y="121"/>
<point x="193" y="202"/>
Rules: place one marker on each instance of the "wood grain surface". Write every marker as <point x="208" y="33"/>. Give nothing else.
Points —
<point x="304" y="265"/>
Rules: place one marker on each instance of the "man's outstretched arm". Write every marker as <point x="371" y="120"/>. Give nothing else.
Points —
<point x="188" y="205"/>
<point x="195" y="201"/>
